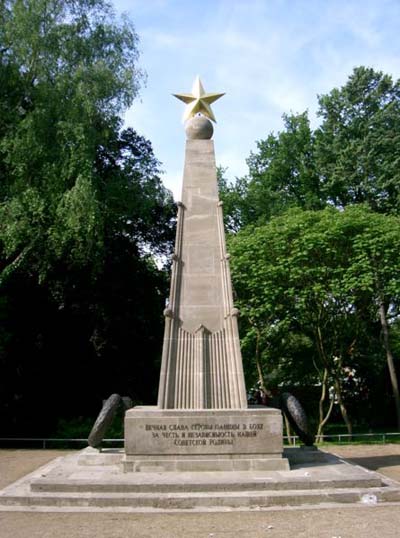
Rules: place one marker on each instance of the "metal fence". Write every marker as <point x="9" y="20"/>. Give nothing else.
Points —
<point x="49" y="442"/>
<point x="292" y="440"/>
<point x="347" y="438"/>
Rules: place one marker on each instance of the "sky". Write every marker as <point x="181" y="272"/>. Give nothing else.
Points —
<point x="270" y="57"/>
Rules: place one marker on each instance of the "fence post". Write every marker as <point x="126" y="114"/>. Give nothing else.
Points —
<point x="44" y="443"/>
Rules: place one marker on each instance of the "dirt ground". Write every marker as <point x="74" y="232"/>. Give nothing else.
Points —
<point x="348" y="522"/>
<point x="15" y="464"/>
<point x="384" y="459"/>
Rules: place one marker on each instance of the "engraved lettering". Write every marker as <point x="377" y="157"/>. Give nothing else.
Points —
<point x="170" y="435"/>
<point x="155" y="427"/>
<point x="247" y="434"/>
<point x="190" y="442"/>
<point x="227" y="426"/>
<point x="178" y="427"/>
<point x="220" y="442"/>
<point x="203" y="433"/>
<point x="259" y="426"/>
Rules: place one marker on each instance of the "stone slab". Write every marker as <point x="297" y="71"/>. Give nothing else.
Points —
<point x="222" y="439"/>
<point x="216" y="464"/>
<point x="67" y="485"/>
<point x="103" y="456"/>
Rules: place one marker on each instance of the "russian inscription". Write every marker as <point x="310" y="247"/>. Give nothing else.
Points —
<point x="202" y="434"/>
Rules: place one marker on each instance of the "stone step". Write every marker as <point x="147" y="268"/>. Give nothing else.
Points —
<point x="214" y="485"/>
<point x="197" y="500"/>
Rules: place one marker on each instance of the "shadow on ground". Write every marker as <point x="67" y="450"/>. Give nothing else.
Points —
<point x="377" y="462"/>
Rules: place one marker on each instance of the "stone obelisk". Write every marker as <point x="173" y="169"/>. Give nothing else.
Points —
<point x="201" y="361"/>
<point x="202" y="421"/>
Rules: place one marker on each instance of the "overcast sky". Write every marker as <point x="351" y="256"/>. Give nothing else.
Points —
<point x="269" y="56"/>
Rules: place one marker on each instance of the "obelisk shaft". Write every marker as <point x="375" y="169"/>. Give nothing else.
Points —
<point x="201" y="362"/>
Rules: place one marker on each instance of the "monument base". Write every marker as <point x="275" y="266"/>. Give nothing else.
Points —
<point x="203" y="440"/>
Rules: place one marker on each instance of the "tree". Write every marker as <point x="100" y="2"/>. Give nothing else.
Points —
<point x="352" y="158"/>
<point x="69" y="69"/>
<point x="234" y="198"/>
<point x="375" y="270"/>
<point x="83" y="212"/>
<point x="282" y="174"/>
<point x="134" y="202"/>
<point x="358" y="143"/>
<point x="310" y="273"/>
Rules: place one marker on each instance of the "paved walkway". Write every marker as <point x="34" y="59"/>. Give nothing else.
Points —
<point x="346" y="522"/>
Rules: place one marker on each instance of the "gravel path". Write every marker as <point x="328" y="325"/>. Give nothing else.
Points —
<point x="347" y="522"/>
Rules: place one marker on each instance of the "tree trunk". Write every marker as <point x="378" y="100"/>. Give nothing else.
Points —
<point x="390" y="359"/>
<point x="288" y="430"/>
<point x="320" y="433"/>
<point x="322" y="400"/>
<point x="323" y="419"/>
<point x="342" y="406"/>
<point x="259" y="367"/>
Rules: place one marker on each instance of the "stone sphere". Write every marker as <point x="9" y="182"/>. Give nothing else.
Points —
<point x="199" y="127"/>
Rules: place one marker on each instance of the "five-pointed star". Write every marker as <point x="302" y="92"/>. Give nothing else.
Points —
<point x="198" y="101"/>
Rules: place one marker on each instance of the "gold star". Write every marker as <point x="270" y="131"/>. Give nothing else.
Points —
<point x="198" y="101"/>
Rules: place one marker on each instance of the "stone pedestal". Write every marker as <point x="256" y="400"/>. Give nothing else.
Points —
<point x="203" y="440"/>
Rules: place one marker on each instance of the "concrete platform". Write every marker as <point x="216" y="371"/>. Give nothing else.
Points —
<point x="94" y="481"/>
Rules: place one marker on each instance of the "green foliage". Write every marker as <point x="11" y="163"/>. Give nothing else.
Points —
<point x="76" y="428"/>
<point x="352" y="158"/>
<point x="319" y="291"/>
<point x="282" y="174"/>
<point x="358" y="143"/>
<point x="80" y="427"/>
<point x="234" y="198"/>
<point x="82" y="213"/>
<point x="68" y="68"/>
<point x="308" y="286"/>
